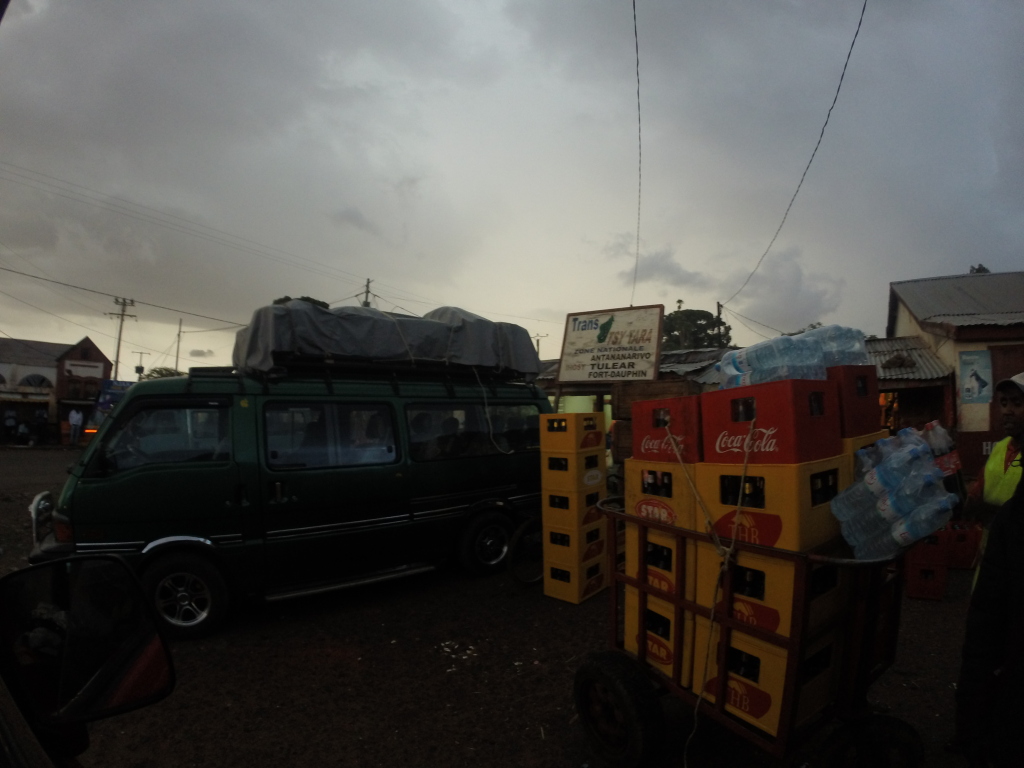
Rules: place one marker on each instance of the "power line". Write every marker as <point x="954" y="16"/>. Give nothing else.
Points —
<point x="640" y="157"/>
<point x="112" y="296"/>
<point x="808" y="166"/>
<point x="757" y="322"/>
<point x="86" y="327"/>
<point x="757" y="333"/>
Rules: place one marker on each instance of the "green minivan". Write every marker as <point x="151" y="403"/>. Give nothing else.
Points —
<point x="218" y="485"/>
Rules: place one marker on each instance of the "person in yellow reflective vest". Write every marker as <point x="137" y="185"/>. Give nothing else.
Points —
<point x="989" y="705"/>
<point x="1002" y="471"/>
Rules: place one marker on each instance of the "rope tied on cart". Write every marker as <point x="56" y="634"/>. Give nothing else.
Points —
<point x="723" y="552"/>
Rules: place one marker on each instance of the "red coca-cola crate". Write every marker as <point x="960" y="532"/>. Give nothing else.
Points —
<point x="964" y="543"/>
<point x="653" y="420"/>
<point x="797" y="420"/>
<point x="935" y="549"/>
<point x="926" y="581"/>
<point x="859" y="412"/>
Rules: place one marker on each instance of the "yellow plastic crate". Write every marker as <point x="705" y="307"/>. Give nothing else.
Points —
<point x="570" y="432"/>
<point x="662" y="560"/>
<point x="757" y="676"/>
<point x="581" y="471"/>
<point x="661" y="627"/>
<point x="785" y="506"/>
<point x="853" y="444"/>
<point x="659" y="491"/>
<point x="763" y="589"/>
<point x="573" y="546"/>
<point x="574" y="584"/>
<point x="571" y="509"/>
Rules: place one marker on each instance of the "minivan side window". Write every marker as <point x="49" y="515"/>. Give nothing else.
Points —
<point x="449" y="430"/>
<point x="309" y="435"/>
<point x="164" y="434"/>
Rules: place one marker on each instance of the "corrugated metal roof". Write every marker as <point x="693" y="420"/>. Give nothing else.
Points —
<point x="995" y="298"/>
<point x="26" y="352"/>
<point x="905" y="358"/>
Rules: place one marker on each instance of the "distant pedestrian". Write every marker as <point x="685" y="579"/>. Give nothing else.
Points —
<point x="75" y="422"/>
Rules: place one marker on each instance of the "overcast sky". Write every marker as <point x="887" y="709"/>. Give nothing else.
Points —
<point x="484" y="155"/>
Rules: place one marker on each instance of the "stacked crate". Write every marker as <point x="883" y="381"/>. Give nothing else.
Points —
<point x="796" y="464"/>
<point x="860" y="416"/>
<point x="573" y="469"/>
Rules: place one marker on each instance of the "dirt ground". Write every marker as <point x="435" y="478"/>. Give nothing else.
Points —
<point x="437" y="670"/>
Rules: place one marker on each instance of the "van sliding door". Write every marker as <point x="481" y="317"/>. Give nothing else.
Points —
<point x="332" y="488"/>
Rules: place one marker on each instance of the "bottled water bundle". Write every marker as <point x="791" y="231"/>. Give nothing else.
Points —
<point x="840" y="345"/>
<point x="804" y="356"/>
<point x="897" y="499"/>
<point x="784" y="357"/>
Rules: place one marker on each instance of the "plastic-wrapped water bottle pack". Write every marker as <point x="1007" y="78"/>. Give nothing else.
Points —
<point x="804" y="356"/>
<point x="898" y="497"/>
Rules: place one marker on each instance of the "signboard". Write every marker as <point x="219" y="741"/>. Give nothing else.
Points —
<point x="612" y="345"/>
<point x="976" y="377"/>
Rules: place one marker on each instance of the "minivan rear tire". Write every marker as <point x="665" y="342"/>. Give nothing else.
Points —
<point x="484" y="545"/>
<point x="188" y="594"/>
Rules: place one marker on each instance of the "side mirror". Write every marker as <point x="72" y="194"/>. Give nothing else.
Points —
<point x="78" y="641"/>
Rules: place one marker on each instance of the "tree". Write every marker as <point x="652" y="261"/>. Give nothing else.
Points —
<point x="160" y="373"/>
<point x="307" y="299"/>
<point x="694" y="329"/>
<point x="981" y="269"/>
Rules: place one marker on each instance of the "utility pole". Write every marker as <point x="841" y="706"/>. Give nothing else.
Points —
<point x="177" y="350"/>
<point x="138" y="368"/>
<point x="721" y="329"/>
<point x="366" y="293"/>
<point x="538" y="337"/>
<point x="123" y="304"/>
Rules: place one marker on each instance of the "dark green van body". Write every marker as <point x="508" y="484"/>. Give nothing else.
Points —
<point x="295" y="485"/>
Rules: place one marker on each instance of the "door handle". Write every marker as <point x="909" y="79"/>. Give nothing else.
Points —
<point x="278" y="497"/>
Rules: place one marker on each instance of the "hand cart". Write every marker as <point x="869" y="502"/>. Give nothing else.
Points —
<point x="617" y="692"/>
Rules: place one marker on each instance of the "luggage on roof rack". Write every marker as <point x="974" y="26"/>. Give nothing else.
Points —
<point x="299" y="335"/>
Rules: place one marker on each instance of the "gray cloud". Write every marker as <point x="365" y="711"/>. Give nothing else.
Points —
<point x="200" y="353"/>
<point x="786" y="296"/>
<point x="661" y="268"/>
<point x="353" y="217"/>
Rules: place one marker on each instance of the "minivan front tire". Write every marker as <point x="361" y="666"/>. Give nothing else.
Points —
<point x="188" y="593"/>
<point x="484" y="545"/>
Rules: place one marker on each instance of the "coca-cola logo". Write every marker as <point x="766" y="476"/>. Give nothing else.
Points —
<point x="753" y="613"/>
<point x="745" y="698"/>
<point x="592" y="439"/>
<point x="658" y="650"/>
<point x="651" y="445"/>
<point x="751" y="527"/>
<point x="759" y="441"/>
<point x="658" y="511"/>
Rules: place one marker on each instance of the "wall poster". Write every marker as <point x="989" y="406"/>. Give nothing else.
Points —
<point x="976" y="377"/>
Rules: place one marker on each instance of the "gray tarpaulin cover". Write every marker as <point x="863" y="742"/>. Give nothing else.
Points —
<point x="444" y="335"/>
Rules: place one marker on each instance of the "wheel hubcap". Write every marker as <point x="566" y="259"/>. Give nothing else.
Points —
<point x="183" y="599"/>
<point x="492" y="545"/>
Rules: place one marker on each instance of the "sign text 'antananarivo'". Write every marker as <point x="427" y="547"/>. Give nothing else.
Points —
<point x="612" y="345"/>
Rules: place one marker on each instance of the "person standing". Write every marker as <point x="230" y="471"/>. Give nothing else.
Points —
<point x="75" y="423"/>
<point x="989" y="701"/>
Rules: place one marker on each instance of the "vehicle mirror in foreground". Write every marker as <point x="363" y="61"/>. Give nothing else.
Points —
<point x="78" y="641"/>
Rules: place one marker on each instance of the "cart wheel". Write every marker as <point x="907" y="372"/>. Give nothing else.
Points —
<point x="876" y="741"/>
<point x="619" y="709"/>
<point x="526" y="552"/>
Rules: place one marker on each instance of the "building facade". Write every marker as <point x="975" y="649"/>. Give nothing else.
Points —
<point x="41" y="382"/>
